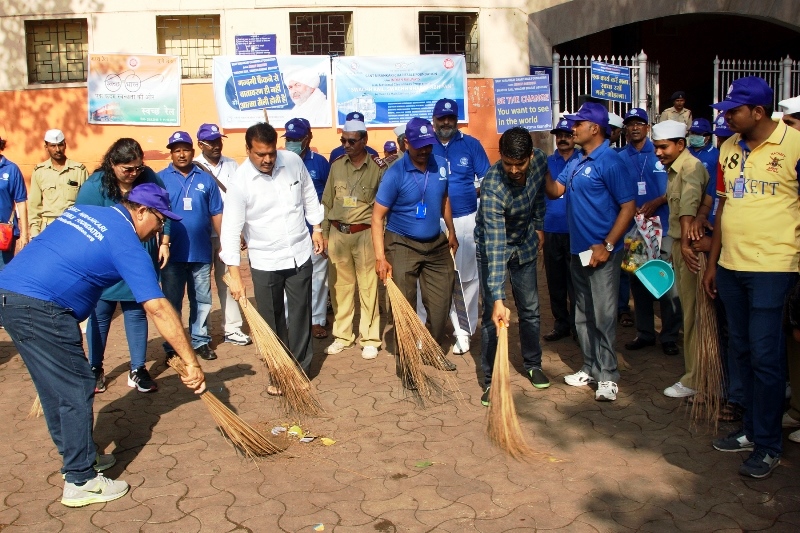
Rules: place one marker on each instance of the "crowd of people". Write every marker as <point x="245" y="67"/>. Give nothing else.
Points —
<point x="433" y="204"/>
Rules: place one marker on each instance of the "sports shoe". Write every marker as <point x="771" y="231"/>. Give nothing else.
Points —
<point x="538" y="379"/>
<point x="238" y="338"/>
<point x="205" y="352"/>
<point x="789" y="422"/>
<point x="606" y="391"/>
<point x="97" y="490"/>
<point x="734" y="442"/>
<point x="462" y="345"/>
<point x="760" y="464"/>
<point x="101" y="463"/>
<point x="335" y="347"/>
<point x="679" y="390"/>
<point x="99" y="380"/>
<point x="794" y="436"/>
<point x="140" y="380"/>
<point x="579" y="379"/>
<point x="369" y="352"/>
<point x="485" y="397"/>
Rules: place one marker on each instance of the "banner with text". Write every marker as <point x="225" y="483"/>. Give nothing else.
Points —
<point x="390" y="91"/>
<point x="282" y="87"/>
<point x="255" y="45"/>
<point x="523" y="101"/>
<point x="140" y="90"/>
<point x="611" y="82"/>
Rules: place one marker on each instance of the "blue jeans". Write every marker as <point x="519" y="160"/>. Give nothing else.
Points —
<point x="135" y="331"/>
<point x="526" y="297"/>
<point x="50" y="342"/>
<point x="196" y="279"/>
<point x="754" y="306"/>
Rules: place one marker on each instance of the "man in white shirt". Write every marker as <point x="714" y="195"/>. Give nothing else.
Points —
<point x="223" y="168"/>
<point x="270" y="199"/>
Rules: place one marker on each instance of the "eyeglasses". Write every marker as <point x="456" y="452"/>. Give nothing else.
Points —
<point x="132" y="170"/>
<point x="635" y="125"/>
<point x="351" y="142"/>
<point x="564" y="134"/>
<point x="161" y="220"/>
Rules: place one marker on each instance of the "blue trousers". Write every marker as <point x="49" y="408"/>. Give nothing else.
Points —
<point x="135" y="331"/>
<point x="50" y="342"/>
<point x="195" y="279"/>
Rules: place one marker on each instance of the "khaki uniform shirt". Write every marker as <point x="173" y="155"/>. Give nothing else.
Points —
<point x="686" y="181"/>
<point x="350" y="192"/>
<point x="684" y="115"/>
<point x="52" y="192"/>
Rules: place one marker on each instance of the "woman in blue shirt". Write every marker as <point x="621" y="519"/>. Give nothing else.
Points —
<point x="122" y="169"/>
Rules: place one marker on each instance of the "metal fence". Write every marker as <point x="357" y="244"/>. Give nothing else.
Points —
<point x="783" y="75"/>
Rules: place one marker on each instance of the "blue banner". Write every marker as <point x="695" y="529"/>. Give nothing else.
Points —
<point x="390" y="91"/>
<point x="258" y="84"/>
<point x="255" y="45"/>
<point x="523" y="101"/>
<point x="611" y="82"/>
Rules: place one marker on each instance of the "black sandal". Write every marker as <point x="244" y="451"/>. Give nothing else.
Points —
<point x="625" y="320"/>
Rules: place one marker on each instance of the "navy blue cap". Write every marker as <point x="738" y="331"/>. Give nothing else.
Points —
<point x="445" y="108"/>
<point x="701" y="126"/>
<point x="636" y="113"/>
<point x="564" y="125"/>
<point x="721" y="128"/>
<point x="296" y="128"/>
<point x="419" y="133"/>
<point x="750" y="90"/>
<point x="355" y="115"/>
<point x="390" y="146"/>
<point x="678" y="94"/>
<point x="153" y="196"/>
<point x="179" y="137"/>
<point x="209" y="132"/>
<point x="591" y="112"/>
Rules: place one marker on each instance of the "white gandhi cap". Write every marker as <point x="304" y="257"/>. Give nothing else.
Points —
<point x="789" y="106"/>
<point x="614" y="120"/>
<point x="669" y="129"/>
<point x="54" y="136"/>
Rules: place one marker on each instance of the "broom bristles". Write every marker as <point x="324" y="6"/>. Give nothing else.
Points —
<point x="36" y="409"/>
<point x="238" y="432"/>
<point x="286" y="375"/>
<point x="502" y="426"/>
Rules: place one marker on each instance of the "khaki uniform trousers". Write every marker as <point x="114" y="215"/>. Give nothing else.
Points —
<point x="687" y="281"/>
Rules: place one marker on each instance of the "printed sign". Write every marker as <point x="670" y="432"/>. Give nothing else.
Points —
<point x="611" y="82"/>
<point x="523" y="101"/>
<point x="258" y="84"/>
<point x="255" y="45"/>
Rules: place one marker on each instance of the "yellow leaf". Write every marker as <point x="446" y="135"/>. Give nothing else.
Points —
<point x="327" y="442"/>
<point x="296" y="430"/>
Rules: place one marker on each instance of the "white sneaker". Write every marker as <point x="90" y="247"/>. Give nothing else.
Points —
<point x="335" y="347"/>
<point x="579" y="379"/>
<point x="606" y="391"/>
<point x="679" y="391"/>
<point x="462" y="345"/>
<point x="788" y="422"/>
<point x="794" y="436"/>
<point x="239" y="338"/>
<point x="369" y="352"/>
<point x="97" y="490"/>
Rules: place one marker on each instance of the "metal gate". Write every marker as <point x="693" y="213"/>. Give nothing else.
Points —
<point x="783" y="75"/>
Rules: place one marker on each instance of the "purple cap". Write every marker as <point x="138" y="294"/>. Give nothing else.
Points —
<point x="591" y="112"/>
<point x="179" y="137"/>
<point x="701" y="126"/>
<point x="564" y="125"/>
<point x="209" y="132"/>
<point x="721" y="128"/>
<point x="750" y="90"/>
<point x="636" y="113"/>
<point x="445" y="108"/>
<point x="296" y="129"/>
<point x="390" y="146"/>
<point x="419" y="133"/>
<point x="153" y="196"/>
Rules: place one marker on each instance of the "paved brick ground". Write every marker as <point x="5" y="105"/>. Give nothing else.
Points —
<point x="634" y="464"/>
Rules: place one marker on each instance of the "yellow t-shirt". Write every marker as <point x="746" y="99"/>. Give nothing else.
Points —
<point x="761" y="230"/>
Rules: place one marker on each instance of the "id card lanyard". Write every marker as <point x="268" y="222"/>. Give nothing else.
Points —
<point x="641" y="183"/>
<point x="350" y="200"/>
<point x="421" y="207"/>
<point x="738" y="183"/>
<point x="187" y="201"/>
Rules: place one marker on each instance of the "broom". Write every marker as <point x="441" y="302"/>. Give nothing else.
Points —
<point x="710" y="380"/>
<point x="285" y="374"/>
<point x="502" y="426"/>
<point x="241" y="434"/>
<point x="415" y="346"/>
<point x="36" y="409"/>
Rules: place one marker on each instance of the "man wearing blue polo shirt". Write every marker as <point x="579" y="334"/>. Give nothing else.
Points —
<point x="651" y="187"/>
<point x="338" y="152"/>
<point x="600" y="205"/>
<point x="194" y="194"/>
<point x="700" y="145"/>
<point x="412" y="197"/>
<point x="556" y="239"/>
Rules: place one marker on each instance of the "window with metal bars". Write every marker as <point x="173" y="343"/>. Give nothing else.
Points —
<point x="57" y="50"/>
<point x="195" y="38"/>
<point x="321" y="33"/>
<point x="450" y="33"/>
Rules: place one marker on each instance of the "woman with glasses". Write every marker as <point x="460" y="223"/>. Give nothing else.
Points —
<point x="121" y="169"/>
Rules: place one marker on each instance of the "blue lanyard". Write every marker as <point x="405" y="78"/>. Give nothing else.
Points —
<point x="421" y="189"/>
<point x="577" y="169"/>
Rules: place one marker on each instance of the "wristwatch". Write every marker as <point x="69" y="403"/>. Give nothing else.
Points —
<point x="609" y="246"/>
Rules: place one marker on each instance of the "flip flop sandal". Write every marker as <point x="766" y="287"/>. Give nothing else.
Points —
<point x="319" y="332"/>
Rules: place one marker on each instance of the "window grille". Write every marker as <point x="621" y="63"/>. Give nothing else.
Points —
<point x="450" y="33"/>
<point x="321" y="33"/>
<point x="57" y="50"/>
<point x="195" y="38"/>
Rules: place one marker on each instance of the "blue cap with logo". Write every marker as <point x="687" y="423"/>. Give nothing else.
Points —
<point x="354" y="122"/>
<point x="296" y="128"/>
<point x="152" y="196"/>
<point x="564" y="125"/>
<point x="636" y="113"/>
<point x="419" y="133"/>
<point x="390" y="146"/>
<point x="750" y="90"/>
<point x="721" y="128"/>
<point x="591" y="112"/>
<point x="701" y="126"/>
<point x="179" y="137"/>
<point x="209" y="132"/>
<point x="445" y="108"/>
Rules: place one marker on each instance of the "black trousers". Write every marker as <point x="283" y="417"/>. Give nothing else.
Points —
<point x="559" y="280"/>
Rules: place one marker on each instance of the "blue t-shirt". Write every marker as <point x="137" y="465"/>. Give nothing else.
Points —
<point x="466" y="160"/>
<point x="555" y="216"/>
<point x="338" y="152"/>
<point x="191" y="237"/>
<point x="318" y="168"/>
<point x="12" y="190"/>
<point x="650" y="177"/>
<point x="709" y="156"/>
<point x="598" y="185"/>
<point x="401" y="190"/>
<point x="85" y="250"/>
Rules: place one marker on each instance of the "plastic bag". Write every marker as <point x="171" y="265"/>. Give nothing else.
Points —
<point x="642" y="243"/>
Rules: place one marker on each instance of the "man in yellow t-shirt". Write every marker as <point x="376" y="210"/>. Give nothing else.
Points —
<point x="754" y="259"/>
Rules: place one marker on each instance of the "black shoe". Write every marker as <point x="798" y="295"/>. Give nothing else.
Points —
<point x="485" y="397"/>
<point x="140" y="380"/>
<point x="538" y="379"/>
<point x="638" y="343"/>
<point x="205" y="352"/>
<point x="670" y="348"/>
<point x="99" y="380"/>
<point x="555" y="335"/>
<point x="448" y="364"/>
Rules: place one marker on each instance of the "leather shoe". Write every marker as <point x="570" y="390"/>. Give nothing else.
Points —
<point x="638" y="343"/>
<point x="670" y="348"/>
<point x="555" y="335"/>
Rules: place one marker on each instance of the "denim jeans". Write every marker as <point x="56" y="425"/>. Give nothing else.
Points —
<point x="50" y="342"/>
<point x="526" y="298"/>
<point x="596" y="291"/>
<point x="754" y="306"/>
<point x="196" y="279"/>
<point x="135" y="331"/>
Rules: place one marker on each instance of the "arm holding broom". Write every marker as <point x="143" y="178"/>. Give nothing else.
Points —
<point x="382" y="266"/>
